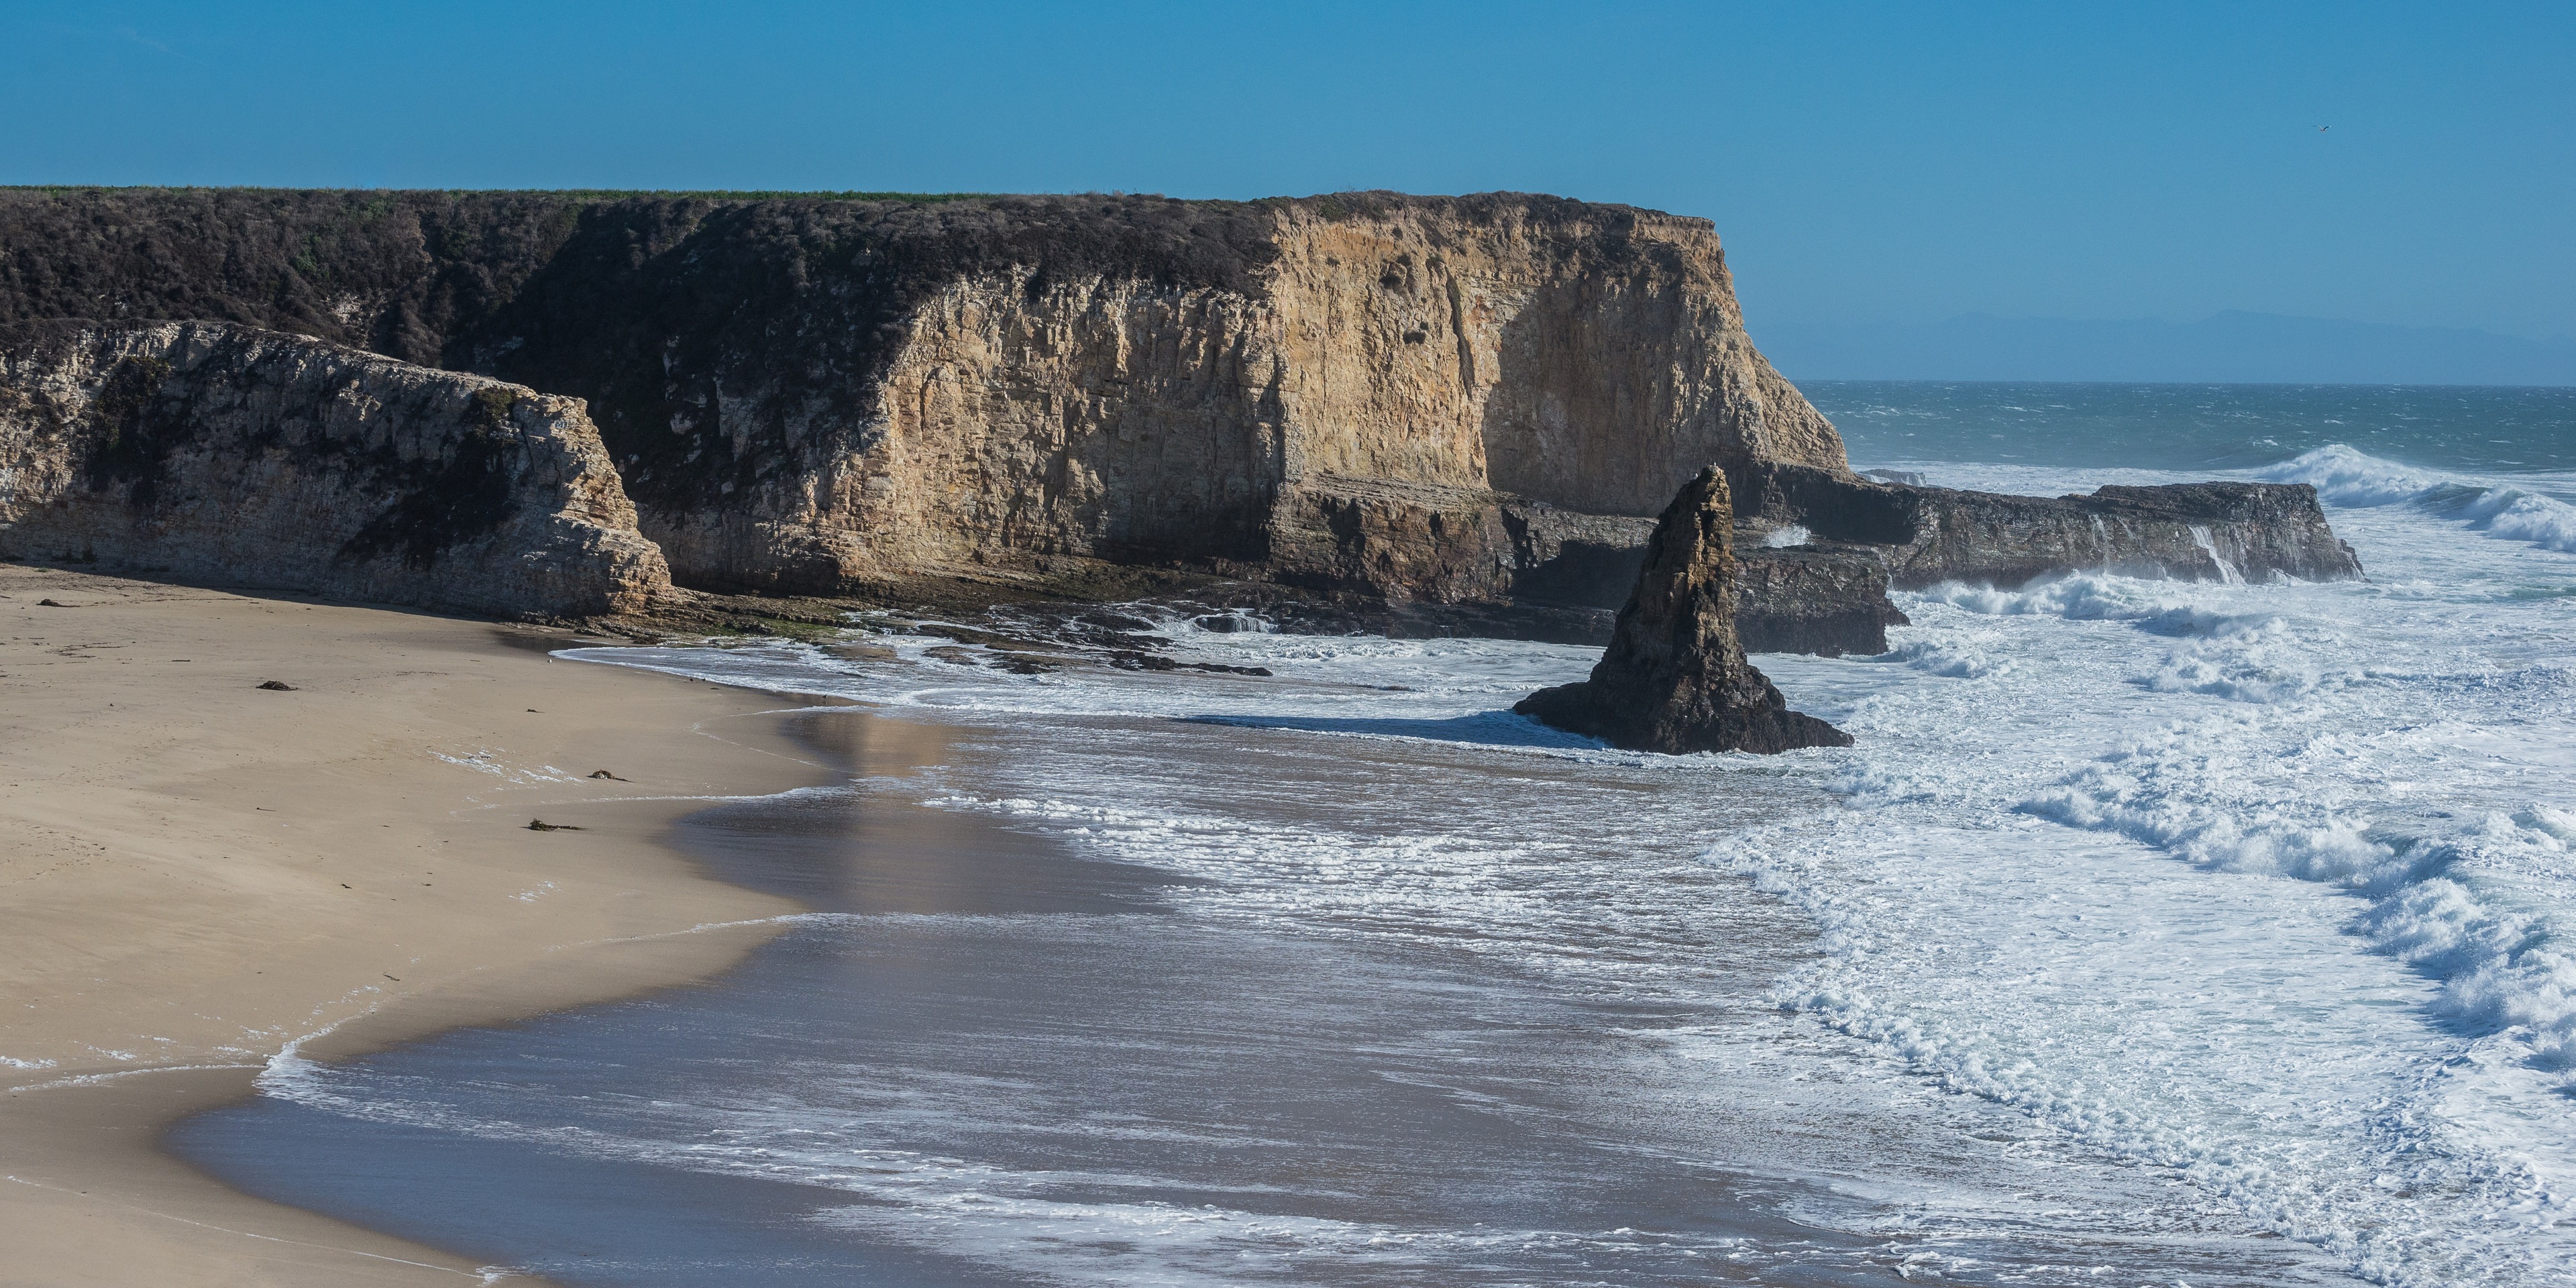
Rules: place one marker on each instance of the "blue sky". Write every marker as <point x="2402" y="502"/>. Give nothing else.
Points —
<point x="1865" y="162"/>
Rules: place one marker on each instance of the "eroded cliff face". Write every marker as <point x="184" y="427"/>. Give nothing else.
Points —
<point x="818" y="394"/>
<point x="1399" y="368"/>
<point x="1594" y="360"/>
<point x="242" y="456"/>
<point x="1428" y="403"/>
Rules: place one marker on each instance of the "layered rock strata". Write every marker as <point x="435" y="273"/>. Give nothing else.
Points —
<point x="1674" y="678"/>
<point x="215" y="452"/>
<point x="821" y="394"/>
<point x="2191" y="531"/>
<point x="1431" y="410"/>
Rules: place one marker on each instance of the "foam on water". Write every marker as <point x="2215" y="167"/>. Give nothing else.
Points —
<point x="2345" y="477"/>
<point x="2264" y="885"/>
<point x="2383" y="1072"/>
<point x="2249" y="902"/>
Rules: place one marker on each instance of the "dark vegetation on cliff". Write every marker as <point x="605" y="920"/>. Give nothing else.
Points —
<point x="444" y="502"/>
<point x="735" y="352"/>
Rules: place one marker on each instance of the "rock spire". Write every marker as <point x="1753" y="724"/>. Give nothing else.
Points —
<point x="1675" y="678"/>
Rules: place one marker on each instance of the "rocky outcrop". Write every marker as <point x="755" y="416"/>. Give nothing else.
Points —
<point x="2195" y="531"/>
<point x="1481" y="562"/>
<point x="1435" y="544"/>
<point x="1674" y="678"/>
<point x="1812" y="599"/>
<point x="819" y="394"/>
<point x="1440" y="412"/>
<point x="210" y="451"/>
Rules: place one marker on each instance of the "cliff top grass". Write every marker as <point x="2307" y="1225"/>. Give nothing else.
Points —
<point x="1332" y="205"/>
<point x="579" y="194"/>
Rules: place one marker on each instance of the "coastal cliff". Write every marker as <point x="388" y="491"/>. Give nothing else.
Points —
<point x="217" y="452"/>
<point x="821" y="394"/>
<point x="1460" y="413"/>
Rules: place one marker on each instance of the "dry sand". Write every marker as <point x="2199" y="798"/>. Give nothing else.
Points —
<point x="196" y="872"/>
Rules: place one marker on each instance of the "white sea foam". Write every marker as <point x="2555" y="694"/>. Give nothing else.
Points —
<point x="2258" y="888"/>
<point x="2408" y="743"/>
<point x="2345" y="477"/>
<point x="2348" y="477"/>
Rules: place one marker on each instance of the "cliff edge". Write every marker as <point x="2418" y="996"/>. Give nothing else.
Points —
<point x="824" y="394"/>
<point x="1462" y="411"/>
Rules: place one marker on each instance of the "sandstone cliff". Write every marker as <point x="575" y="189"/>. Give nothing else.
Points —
<point x="816" y="394"/>
<point x="225" y="453"/>
<point x="1440" y="406"/>
<point x="1674" y="678"/>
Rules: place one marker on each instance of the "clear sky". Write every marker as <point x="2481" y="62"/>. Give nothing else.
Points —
<point x="1865" y="162"/>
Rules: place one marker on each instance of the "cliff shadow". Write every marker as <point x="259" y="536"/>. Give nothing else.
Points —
<point x="1582" y="414"/>
<point x="1583" y="574"/>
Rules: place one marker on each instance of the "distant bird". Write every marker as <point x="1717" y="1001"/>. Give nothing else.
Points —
<point x="2321" y="129"/>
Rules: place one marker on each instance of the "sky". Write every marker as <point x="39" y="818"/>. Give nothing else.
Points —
<point x="1865" y="163"/>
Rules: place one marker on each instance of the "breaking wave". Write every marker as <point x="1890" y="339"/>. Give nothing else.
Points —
<point x="2346" y="477"/>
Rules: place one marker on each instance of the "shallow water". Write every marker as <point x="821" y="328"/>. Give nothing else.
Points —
<point x="2152" y="932"/>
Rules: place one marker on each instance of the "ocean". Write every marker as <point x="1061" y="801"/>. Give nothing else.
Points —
<point x="2153" y="932"/>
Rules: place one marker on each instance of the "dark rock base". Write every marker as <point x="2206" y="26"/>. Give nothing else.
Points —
<point x="1767" y="729"/>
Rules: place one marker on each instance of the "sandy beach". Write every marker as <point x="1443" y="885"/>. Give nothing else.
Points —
<point x="200" y="872"/>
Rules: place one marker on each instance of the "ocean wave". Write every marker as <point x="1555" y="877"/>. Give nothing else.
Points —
<point x="2378" y="1104"/>
<point x="2346" y="476"/>
<point x="2522" y="516"/>
<point x="1948" y="658"/>
<point x="2162" y="608"/>
<point x="2504" y="971"/>
<point x="2255" y="679"/>
<point x="1881" y="984"/>
<point x="2349" y="476"/>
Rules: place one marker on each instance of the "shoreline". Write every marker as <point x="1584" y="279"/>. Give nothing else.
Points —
<point x="203" y="873"/>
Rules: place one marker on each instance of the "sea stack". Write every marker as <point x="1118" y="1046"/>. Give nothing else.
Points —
<point x="1675" y="678"/>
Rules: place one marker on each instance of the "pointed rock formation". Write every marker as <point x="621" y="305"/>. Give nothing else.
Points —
<point x="1675" y="678"/>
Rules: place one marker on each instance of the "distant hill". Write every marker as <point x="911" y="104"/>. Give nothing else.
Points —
<point x="2230" y="348"/>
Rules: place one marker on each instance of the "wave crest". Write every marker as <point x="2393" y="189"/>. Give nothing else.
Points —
<point x="2346" y="476"/>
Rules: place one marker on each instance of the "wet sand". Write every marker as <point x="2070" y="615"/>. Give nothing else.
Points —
<point x="199" y="872"/>
<point x="992" y="1057"/>
<point x="1282" y="1037"/>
